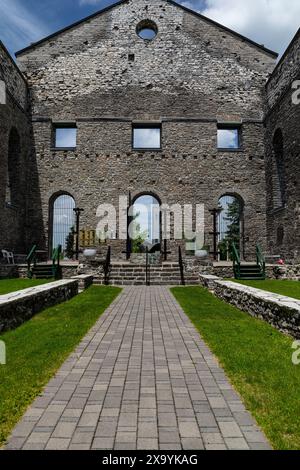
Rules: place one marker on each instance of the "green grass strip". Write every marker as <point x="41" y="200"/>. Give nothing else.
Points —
<point x="256" y="357"/>
<point x="288" y="288"/>
<point x="12" y="285"/>
<point x="38" y="348"/>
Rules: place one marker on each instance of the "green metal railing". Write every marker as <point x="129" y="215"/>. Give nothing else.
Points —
<point x="56" y="257"/>
<point x="260" y="260"/>
<point x="107" y="267"/>
<point x="236" y="261"/>
<point x="31" y="261"/>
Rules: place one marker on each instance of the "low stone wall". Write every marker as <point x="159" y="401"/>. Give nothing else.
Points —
<point x="18" y="307"/>
<point x="84" y="281"/>
<point x="288" y="272"/>
<point x="8" y="271"/>
<point x="281" y="312"/>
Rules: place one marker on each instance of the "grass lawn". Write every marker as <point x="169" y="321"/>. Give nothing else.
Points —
<point x="12" y="285"/>
<point x="289" y="288"/>
<point x="36" y="350"/>
<point x="257" y="359"/>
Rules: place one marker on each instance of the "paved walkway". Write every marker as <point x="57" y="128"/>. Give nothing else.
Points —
<point x="141" y="379"/>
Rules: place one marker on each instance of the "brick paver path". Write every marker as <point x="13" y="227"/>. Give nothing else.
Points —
<point x="141" y="379"/>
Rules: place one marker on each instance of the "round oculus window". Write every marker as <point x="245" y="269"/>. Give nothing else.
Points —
<point x="147" y="30"/>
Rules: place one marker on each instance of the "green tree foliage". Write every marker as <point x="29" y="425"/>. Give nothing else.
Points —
<point x="233" y="216"/>
<point x="70" y="240"/>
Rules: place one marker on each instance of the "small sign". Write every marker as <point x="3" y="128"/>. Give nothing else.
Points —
<point x="2" y="353"/>
<point x="2" y="92"/>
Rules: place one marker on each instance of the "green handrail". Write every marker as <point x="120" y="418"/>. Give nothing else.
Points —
<point x="56" y="256"/>
<point x="236" y="261"/>
<point x="31" y="259"/>
<point x="260" y="259"/>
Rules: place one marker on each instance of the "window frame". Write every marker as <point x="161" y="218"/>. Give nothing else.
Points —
<point x="146" y="125"/>
<point x="230" y="126"/>
<point x="63" y="125"/>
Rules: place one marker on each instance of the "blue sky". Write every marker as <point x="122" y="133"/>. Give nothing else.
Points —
<point x="268" y="22"/>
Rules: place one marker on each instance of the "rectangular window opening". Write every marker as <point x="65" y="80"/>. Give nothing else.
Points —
<point x="229" y="138"/>
<point x="65" y="137"/>
<point x="147" y="137"/>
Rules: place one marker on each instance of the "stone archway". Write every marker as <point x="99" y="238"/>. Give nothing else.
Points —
<point x="145" y="224"/>
<point x="62" y="220"/>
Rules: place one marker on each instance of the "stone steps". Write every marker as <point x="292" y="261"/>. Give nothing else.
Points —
<point x="167" y="274"/>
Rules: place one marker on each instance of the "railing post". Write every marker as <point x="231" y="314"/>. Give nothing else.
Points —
<point x="181" y="266"/>
<point x="236" y="262"/>
<point x="107" y="266"/>
<point x="147" y="268"/>
<point x="31" y="259"/>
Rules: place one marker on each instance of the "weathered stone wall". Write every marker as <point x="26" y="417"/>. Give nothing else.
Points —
<point x="14" y="134"/>
<point x="189" y="77"/>
<point x="8" y="271"/>
<point x="281" y="312"/>
<point x="18" y="307"/>
<point x="84" y="281"/>
<point x="283" y="224"/>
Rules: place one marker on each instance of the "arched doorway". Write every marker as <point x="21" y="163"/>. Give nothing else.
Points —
<point x="230" y="225"/>
<point x="62" y="223"/>
<point x="145" y="224"/>
<point x="14" y="195"/>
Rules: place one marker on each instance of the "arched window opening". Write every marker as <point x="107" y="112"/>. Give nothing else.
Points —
<point x="278" y="171"/>
<point x="63" y="223"/>
<point x="230" y="226"/>
<point x="145" y="230"/>
<point x="13" y="189"/>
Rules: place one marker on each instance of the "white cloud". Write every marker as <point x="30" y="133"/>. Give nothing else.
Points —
<point x="269" y="22"/>
<point x="19" y="25"/>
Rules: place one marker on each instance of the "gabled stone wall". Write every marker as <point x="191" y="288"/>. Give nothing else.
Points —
<point x="102" y="76"/>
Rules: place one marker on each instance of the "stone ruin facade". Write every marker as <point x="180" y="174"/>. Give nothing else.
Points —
<point x="195" y="77"/>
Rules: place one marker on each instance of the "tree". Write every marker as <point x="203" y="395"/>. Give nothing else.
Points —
<point x="69" y="251"/>
<point x="233" y="217"/>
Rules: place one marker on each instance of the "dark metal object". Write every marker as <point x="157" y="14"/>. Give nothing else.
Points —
<point x="129" y="220"/>
<point x="148" y="281"/>
<point x="56" y="267"/>
<point x="78" y="212"/>
<point x="165" y="251"/>
<point x="215" y="233"/>
<point x="107" y="267"/>
<point x="31" y="261"/>
<point x="181" y="267"/>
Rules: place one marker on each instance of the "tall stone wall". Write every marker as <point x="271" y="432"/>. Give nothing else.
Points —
<point x="284" y="117"/>
<point x="102" y="76"/>
<point x="15" y="147"/>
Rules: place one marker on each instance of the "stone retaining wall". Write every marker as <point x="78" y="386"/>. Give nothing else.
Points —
<point x="18" y="307"/>
<point x="281" y="312"/>
<point x="8" y="271"/>
<point x="84" y="281"/>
